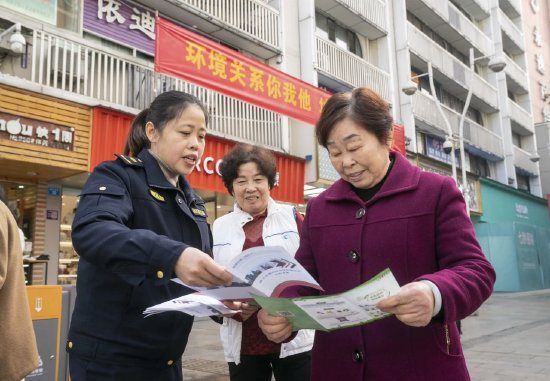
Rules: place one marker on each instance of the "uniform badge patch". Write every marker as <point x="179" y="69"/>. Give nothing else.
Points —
<point x="198" y="212"/>
<point x="156" y="195"/>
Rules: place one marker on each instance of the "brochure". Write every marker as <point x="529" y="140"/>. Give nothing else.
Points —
<point x="326" y="313"/>
<point x="263" y="270"/>
<point x="192" y="304"/>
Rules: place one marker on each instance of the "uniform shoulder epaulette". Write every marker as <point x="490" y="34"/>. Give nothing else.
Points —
<point x="129" y="160"/>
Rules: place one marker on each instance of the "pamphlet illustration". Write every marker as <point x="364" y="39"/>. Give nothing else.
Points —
<point x="354" y="307"/>
<point x="264" y="270"/>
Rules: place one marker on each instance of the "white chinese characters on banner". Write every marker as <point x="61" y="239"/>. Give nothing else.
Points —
<point x="143" y="20"/>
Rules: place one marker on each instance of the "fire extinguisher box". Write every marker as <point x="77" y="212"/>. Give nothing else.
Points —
<point x="45" y="307"/>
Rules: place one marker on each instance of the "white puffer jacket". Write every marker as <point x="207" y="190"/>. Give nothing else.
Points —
<point x="279" y="230"/>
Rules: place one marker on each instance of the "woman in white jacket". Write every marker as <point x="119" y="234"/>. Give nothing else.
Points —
<point x="249" y="173"/>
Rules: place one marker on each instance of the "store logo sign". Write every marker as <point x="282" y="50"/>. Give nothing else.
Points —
<point x="522" y="211"/>
<point x="31" y="131"/>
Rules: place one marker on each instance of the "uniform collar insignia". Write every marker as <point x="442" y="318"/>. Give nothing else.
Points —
<point x="157" y="196"/>
<point x="129" y="160"/>
<point x="198" y="212"/>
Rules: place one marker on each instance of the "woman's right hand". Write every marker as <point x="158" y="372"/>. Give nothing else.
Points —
<point x="197" y="268"/>
<point x="246" y="310"/>
<point x="275" y="328"/>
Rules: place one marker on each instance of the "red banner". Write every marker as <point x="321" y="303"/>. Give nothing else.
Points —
<point x="183" y="54"/>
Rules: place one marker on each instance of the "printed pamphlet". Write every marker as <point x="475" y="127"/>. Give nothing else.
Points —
<point x="326" y="313"/>
<point x="264" y="270"/>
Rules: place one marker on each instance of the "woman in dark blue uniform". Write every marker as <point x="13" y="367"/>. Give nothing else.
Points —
<point x="138" y="225"/>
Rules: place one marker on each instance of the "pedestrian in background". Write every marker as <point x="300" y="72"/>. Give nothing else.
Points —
<point x="385" y="212"/>
<point x="18" y="351"/>
<point x="249" y="173"/>
<point x="139" y="224"/>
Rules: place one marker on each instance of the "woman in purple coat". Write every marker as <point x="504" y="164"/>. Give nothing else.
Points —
<point x="385" y="212"/>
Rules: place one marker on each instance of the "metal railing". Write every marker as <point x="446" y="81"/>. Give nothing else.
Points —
<point x="372" y="10"/>
<point x="461" y="24"/>
<point x="474" y="134"/>
<point x="515" y="72"/>
<point x="519" y="115"/>
<point x="351" y="69"/>
<point x="512" y="31"/>
<point x="443" y="61"/>
<point x="108" y="78"/>
<point x="253" y="17"/>
<point x="522" y="159"/>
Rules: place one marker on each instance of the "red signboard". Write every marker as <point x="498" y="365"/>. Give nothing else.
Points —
<point x="181" y="53"/>
<point x="109" y="132"/>
<point x="399" y="139"/>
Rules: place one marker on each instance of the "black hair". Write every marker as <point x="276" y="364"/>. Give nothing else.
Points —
<point x="164" y="108"/>
<point x="246" y="153"/>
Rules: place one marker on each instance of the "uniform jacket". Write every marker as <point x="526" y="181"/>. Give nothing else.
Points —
<point x="130" y="228"/>
<point x="18" y="352"/>
<point x="279" y="230"/>
<point x="417" y="226"/>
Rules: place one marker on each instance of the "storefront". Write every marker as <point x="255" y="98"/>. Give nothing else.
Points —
<point x="42" y="139"/>
<point x="514" y="232"/>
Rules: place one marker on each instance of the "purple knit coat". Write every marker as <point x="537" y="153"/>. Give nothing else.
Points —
<point x="417" y="226"/>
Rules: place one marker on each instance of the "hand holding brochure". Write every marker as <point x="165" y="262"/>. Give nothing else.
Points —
<point x="264" y="270"/>
<point x="326" y="313"/>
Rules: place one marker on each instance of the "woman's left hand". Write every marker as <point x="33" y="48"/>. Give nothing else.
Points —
<point x="275" y="328"/>
<point x="413" y="304"/>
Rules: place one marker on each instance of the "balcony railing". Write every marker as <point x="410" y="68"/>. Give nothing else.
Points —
<point x="514" y="34"/>
<point x="511" y="7"/>
<point x="478" y="8"/>
<point x="475" y="135"/>
<point x="520" y="116"/>
<point x="253" y="17"/>
<point x="373" y="10"/>
<point x="429" y="51"/>
<point x="346" y="67"/>
<point x="103" y="77"/>
<point x="515" y="72"/>
<point x="367" y="18"/>
<point x="464" y="28"/>
<point x="522" y="160"/>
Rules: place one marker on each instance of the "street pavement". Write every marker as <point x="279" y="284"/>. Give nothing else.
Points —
<point x="507" y="339"/>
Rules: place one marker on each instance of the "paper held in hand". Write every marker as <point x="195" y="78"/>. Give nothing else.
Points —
<point x="264" y="270"/>
<point x="326" y="313"/>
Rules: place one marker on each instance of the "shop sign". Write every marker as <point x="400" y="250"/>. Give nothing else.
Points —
<point x="522" y="211"/>
<point x="194" y="58"/>
<point x="40" y="133"/>
<point x="121" y="21"/>
<point x="434" y="149"/>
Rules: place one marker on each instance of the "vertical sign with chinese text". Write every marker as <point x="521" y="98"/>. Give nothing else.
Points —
<point x="186" y="55"/>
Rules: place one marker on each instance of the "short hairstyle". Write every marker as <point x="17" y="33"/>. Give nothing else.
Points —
<point x="363" y="106"/>
<point x="164" y="108"/>
<point x="246" y="153"/>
